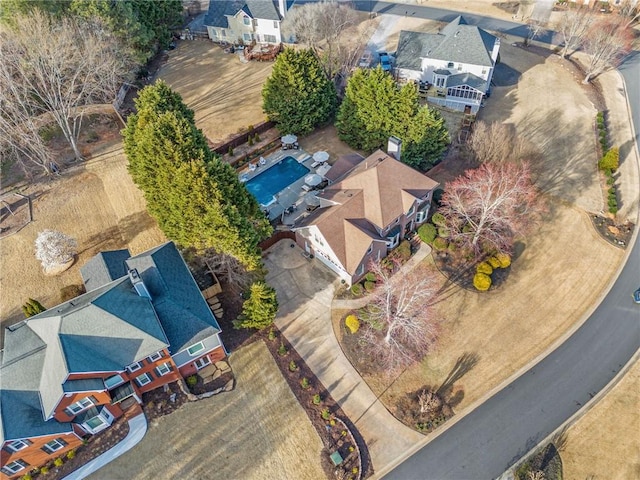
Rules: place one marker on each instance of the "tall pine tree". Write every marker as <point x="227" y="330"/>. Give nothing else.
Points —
<point x="374" y="108"/>
<point x="297" y="95"/>
<point x="197" y="200"/>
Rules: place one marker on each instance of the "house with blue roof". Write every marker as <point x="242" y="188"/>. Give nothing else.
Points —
<point x="70" y="371"/>
<point x="246" y="21"/>
<point x="456" y="64"/>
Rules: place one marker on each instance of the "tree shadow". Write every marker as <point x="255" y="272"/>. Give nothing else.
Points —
<point x="463" y="365"/>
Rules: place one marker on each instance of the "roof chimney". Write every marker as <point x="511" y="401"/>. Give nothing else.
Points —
<point x="138" y="284"/>
<point x="394" y="147"/>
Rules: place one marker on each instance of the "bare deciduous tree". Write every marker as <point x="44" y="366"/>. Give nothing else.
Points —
<point x="487" y="208"/>
<point x="229" y="270"/>
<point x="401" y="323"/>
<point x="606" y="43"/>
<point x="54" y="249"/>
<point x="630" y="11"/>
<point x="429" y="401"/>
<point x="573" y="25"/>
<point x="321" y="27"/>
<point x="496" y="143"/>
<point x="59" y="67"/>
<point x="535" y="28"/>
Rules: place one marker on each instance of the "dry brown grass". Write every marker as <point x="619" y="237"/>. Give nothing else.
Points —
<point x="604" y="444"/>
<point x="257" y="431"/>
<point x="225" y="93"/>
<point x="98" y="205"/>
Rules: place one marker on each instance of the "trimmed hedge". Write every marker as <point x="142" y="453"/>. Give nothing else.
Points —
<point x="440" y="243"/>
<point x="610" y="160"/>
<point x="504" y="259"/>
<point x="427" y="233"/>
<point x="438" y="219"/>
<point x="482" y="281"/>
<point x="484" y="267"/>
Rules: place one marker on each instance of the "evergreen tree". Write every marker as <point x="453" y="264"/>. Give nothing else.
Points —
<point x="32" y="307"/>
<point x="374" y="108"/>
<point x="297" y="95"/>
<point x="197" y="200"/>
<point x="260" y="309"/>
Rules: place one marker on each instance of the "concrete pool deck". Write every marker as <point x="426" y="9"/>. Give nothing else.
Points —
<point x="293" y="194"/>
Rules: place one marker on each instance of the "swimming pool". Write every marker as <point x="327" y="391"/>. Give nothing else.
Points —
<point x="276" y="178"/>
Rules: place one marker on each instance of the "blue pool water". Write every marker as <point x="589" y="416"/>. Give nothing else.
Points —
<point x="276" y="178"/>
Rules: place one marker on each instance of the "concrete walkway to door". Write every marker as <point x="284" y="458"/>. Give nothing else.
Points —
<point x="305" y="292"/>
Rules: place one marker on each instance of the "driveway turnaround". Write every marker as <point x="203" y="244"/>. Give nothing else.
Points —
<point x="305" y="292"/>
<point x="137" y="429"/>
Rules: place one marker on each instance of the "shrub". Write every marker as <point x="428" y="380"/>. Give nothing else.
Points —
<point x="58" y="462"/>
<point x="427" y="233"/>
<point x="404" y="250"/>
<point x="304" y="383"/>
<point x="250" y="140"/>
<point x="600" y="116"/>
<point x="192" y="380"/>
<point x="44" y="470"/>
<point x="26" y="476"/>
<point x="484" y="267"/>
<point x="71" y="454"/>
<point x="272" y="334"/>
<point x="369" y="286"/>
<point x="611" y="160"/>
<point x="438" y="219"/>
<point x="452" y="247"/>
<point x="494" y="262"/>
<point x="317" y="399"/>
<point x="356" y="289"/>
<point x="352" y="323"/>
<point x="325" y="414"/>
<point x="613" y="209"/>
<point x="481" y="281"/>
<point x="610" y="180"/>
<point x="370" y="277"/>
<point x="504" y="259"/>
<point x="443" y="232"/>
<point x="230" y="151"/>
<point x="293" y="366"/>
<point x="282" y="350"/>
<point x="440" y="243"/>
<point x="256" y="138"/>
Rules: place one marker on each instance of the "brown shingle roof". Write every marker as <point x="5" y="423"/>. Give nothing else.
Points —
<point x="374" y="194"/>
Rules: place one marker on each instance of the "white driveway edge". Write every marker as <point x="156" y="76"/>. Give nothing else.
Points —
<point x="137" y="431"/>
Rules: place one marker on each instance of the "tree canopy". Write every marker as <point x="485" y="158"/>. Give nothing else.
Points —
<point x="375" y="108"/>
<point x="197" y="200"/>
<point x="297" y="95"/>
<point x="259" y="310"/>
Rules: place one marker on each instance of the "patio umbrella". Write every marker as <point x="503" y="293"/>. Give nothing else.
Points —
<point x="289" y="139"/>
<point x="311" y="200"/>
<point x="313" y="180"/>
<point x="320" y="157"/>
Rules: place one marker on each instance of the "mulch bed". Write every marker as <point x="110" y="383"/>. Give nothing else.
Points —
<point x="332" y="435"/>
<point x="458" y="271"/>
<point x="616" y="234"/>
<point x="157" y="403"/>
<point x="95" y="445"/>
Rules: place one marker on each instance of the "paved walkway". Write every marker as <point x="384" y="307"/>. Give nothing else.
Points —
<point x="137" y="430"/>
<point x="305" y="292"/>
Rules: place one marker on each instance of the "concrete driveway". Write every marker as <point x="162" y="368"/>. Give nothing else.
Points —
<point x="305" y="292"/>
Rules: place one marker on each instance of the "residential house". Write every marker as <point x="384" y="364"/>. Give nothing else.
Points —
<point x="246" y="21"/>
<point x="365" y="214"/>
<point x="458" y="62"/>
<point x="71" y="371"/>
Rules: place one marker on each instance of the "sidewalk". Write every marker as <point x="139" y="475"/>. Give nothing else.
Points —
<point x="305" y="293"/>
<point x="137" y="430"/>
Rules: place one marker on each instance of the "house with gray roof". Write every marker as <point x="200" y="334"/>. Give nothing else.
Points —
<point x="246" y="21"/>
<point x="456" y="64"/>
<point x="71" y="370"/>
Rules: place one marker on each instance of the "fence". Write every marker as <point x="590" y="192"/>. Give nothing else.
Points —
<point x="243" y="137"/>
<point x="276" y="237"/>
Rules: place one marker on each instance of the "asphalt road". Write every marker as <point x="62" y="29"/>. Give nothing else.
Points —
<point x="499" y="432"/>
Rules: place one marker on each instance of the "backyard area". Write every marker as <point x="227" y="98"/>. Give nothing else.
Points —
<point x="256" y="431"/>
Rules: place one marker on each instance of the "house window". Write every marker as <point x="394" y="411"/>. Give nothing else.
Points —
<point x="80" y="405"/>
<point x="450" y="65"/>
<point x="135" y="366"/>
<point x="99" y="422"/>
<point x="270" y="38"/>
<point x="459" y="66"/>
<point x="420" y="216"/>
<point x="163" y="369"/>
<point x="275" y="24"/>
<point x="370" y="249"/>
<point x="223" y="33"/>
<point x="411" y="210"/>
<point x="113" y="381"/>
<point x="194" y="349"/>
<point x="54" y="445"/>
<point x="360" y="270"/>
<point x="246" y="21"/>
<point x="202" y="362"/>
<point x="155" y="356"/>
<point x="14" y="467"/>
<point x="144" y="379"/>
<point x="246" y="37"/>
<point x="18" y="445"/>
<point x="214" y="33"/>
